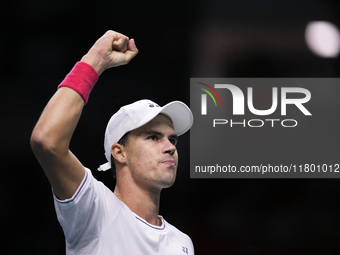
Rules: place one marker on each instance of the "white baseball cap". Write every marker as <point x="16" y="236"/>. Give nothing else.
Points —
<point x="137" y="114"/>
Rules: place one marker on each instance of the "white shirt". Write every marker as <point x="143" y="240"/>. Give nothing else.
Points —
<point x="95" y="221"/>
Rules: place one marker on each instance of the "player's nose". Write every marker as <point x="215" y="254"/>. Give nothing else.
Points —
<point x="169" y="147"/>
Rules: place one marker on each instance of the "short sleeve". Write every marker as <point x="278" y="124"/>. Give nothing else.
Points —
<point x="85" y="215"/>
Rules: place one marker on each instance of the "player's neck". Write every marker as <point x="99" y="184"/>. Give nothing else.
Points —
<point x="142" y="202"/>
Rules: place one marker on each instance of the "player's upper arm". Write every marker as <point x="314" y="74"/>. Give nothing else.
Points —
<point x="64" y="173"/>
<point x="50" y="142"/>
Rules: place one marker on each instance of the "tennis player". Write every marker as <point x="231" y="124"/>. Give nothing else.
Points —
<point x="140" y="148"/>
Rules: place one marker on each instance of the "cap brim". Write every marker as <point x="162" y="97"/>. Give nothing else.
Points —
<point x="180" y="115"/>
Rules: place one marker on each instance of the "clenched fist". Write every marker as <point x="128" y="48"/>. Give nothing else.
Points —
<point x="110" y="50"/>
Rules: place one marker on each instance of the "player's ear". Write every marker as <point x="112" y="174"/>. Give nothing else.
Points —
<point x="118" y="152"/>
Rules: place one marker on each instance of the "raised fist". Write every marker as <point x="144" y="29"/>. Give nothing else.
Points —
<point x="110" y="50"/>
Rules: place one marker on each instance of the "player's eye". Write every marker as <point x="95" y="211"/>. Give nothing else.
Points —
<point x="153" y="137"/>
<point x="173" y="141"/>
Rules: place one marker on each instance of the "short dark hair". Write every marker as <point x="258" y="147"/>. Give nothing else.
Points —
<point x="122" y="141"/>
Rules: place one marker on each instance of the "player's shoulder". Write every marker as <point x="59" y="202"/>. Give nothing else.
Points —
<point x="104" y="198"/>
<point x="176" y="231"/>
<point x="183" y="238"/>
<point x="99" y="192"/>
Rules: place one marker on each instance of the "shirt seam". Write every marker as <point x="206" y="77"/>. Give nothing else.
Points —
<point x="70" y="200"/>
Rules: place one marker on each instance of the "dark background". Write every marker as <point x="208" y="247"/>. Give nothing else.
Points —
<point x="41" y="41"/>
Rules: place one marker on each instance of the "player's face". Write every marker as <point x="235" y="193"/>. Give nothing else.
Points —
<point x="151" y="153"/>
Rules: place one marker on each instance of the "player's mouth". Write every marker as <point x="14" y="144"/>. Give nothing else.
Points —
<point x="170" y="162"/>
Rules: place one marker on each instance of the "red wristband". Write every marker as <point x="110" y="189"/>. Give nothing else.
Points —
<point x="81" y="79"/>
